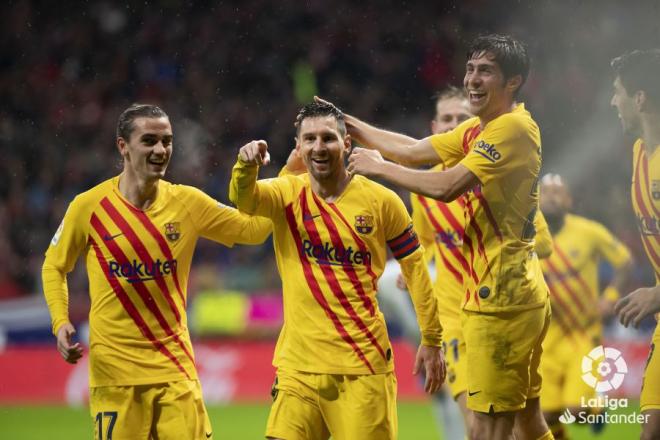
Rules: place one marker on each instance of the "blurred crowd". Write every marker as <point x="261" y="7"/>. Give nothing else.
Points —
<point x="228" y="72"/>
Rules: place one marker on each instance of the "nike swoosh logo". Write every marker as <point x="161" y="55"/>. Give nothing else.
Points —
<point x="208" y="434"/>
<point x="473" y="393"/>
<point x="111" y="237"/>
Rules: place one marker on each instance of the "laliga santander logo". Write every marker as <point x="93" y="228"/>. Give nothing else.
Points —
<point x="610" y="368"/>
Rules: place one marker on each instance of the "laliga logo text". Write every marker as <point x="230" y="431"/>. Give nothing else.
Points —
<point x="611" y="369"/>
<point x="603" y="369"/>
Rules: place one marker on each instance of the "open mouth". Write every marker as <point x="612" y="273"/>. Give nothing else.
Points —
<point x="477" y="97"/>
<point x="157" y="161"/>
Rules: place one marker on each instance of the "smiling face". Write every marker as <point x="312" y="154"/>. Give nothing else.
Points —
<point x="489" y="93"/>
<point x="626" y="108"/>
<point x="148" y="150"/>
<point x="322" y="147"/>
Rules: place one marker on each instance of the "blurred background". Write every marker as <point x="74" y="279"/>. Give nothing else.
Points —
<point x="229" y="72"/>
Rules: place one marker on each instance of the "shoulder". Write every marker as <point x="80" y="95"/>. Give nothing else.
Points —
<point x="585" y="225"/>
<point x="380" y="194"/>
<point x="91" y="198"/>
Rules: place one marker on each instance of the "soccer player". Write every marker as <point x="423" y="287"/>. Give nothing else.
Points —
<point x="637" y="99"/>
<point x="451" y="109"/>
<point x="333" y="357"/>
<point x="578" y="303"/>
<point x="137" y="233"/>
<point x="496" y="157"/>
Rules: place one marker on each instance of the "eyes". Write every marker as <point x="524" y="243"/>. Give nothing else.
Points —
<point x="326" y="138"/>
<point x="151" y="140"/>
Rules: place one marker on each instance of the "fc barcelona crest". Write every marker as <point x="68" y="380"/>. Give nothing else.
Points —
<point x="172" y="231"/>
<point x="364" y="224"/>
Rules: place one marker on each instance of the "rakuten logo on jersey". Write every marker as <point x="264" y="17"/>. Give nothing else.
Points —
<point x="135" y="271"/>
<point x="328" y="254"/>
<point x="487" y="150"/>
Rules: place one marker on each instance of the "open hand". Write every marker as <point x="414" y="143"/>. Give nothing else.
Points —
<point x="432" y="361"/>
<point x="638" y="305"/>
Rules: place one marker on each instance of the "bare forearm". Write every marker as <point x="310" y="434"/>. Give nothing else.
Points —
<point x="394" y="146"/>
<point x="434" y="184"/>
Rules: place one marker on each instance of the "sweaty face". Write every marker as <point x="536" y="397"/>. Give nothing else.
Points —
<point x="555" y="200"/>
<point x="147" y="153"/>
<point x="484" y="82"/>
<point x="625" y="105"/>
<point x="322" y="147"/>
<point x="449" y="113"/>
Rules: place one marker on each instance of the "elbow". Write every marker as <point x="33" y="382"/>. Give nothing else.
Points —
<point x="445" y="194"/>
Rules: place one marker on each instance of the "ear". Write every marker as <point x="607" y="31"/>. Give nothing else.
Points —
<point x="433" y="124"/>
<point x="121" y="147"/>
<point x="641" y="103"/>
<point x="513" y="83"/>
<point x="348" y="143"/>
<point x="297" y="142"/>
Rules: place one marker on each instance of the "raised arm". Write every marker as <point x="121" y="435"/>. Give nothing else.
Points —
<point x="243" y="189"/>
<point x="394" y="146"/>
<point x="445" y="186"/>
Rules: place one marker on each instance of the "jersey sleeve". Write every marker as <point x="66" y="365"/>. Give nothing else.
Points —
<point x="543" y="240"/>
<point x="224" y="224"/>
<point x="504" y="147"/>
<point x="449" y="146"/>
<point x="404" y="244"/>
<point x="264" y="197"/>
<point x="615" y="252"/>
<point x="66" y="246"/>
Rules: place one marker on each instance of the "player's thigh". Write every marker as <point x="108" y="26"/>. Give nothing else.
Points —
<point x="456" y="361"/>
<point x="364" y="407"/>
<point x="650" y="397"/>
<point x="500" y="350"/>
<point x="179" y="412"/>
<point x="553" y="373"/>
<point x="295" y="412"/>
<point x="120" y="412"/>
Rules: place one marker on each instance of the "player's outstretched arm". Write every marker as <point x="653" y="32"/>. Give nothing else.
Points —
<point x="638" y="305"/>
<point x="243" y="184"/>
<point x="394" y="146"/>
<point x="445" y="185"/>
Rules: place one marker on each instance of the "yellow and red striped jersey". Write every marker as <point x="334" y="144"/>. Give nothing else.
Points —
<point x="330" y="256"/>
<point x="572" y="273"/>
<point x="138" y="263"/>
<point x="646" y="201"/>
<point x="440" y="227"/>
<point x="504" y="272"/>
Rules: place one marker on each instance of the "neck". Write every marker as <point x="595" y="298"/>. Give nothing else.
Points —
<point x="555" y="222"/>
<point x="140" y="193"/>
<point x="331" y="188"/>
<point x="651" y="131"/>
<point x="506" y="108"/>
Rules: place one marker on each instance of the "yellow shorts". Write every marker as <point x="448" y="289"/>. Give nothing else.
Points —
<point x="165" y="411"/>
<point x="561" y="368"/>
<point x="650" y="398"/>
<point x="308" y="406"/>
<point x="454" y="347"/>
<point x="503" y="353"/>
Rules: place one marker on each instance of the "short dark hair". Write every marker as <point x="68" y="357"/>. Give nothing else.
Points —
<point x="125" y="124"/>
<point x="449" y="92"/>
<point x="509" y="53"/>
<point x="640" y="70"/>
<point x="320" y="109"/>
